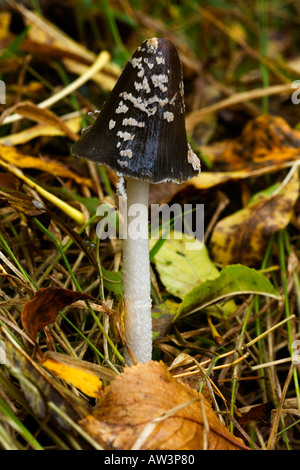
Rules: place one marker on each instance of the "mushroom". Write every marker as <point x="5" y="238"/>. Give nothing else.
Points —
<point x="140" y="134"/>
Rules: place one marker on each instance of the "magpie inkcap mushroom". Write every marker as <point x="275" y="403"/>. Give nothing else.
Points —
<point x="140" y="134"/>
<point x="140" y="131"/>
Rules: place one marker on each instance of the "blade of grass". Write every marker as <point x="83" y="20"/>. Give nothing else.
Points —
<point x="284" y="244"/>
<point x="16" y="424"/>
<point x="19" y="266"/>
<point x="259" y="328"/>
<point x="263" y="7"/>
<point x="15" y="393"/>
<point x="106" y="182"/>
<point x="65" y="249"/>
<point x="76" y="283"/>
<point x="100" y="62"/>
<point x="109" y="15"/>
<point x="239" y="346"/>
<point x="75" y="426"/>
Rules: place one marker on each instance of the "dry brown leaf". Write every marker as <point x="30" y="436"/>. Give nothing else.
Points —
<point x="193" y="118"/>
<point x="267" y="144"/>
<point x="211" y="179"/>
<point x="265" y="141"/>
<point x="259" y="417"/>
<point x="43" y="49"/>
<point x="243" y="237"/>
<point x="146" y="408"/>
<point x="21" y="202"/>
<point x="7" y="180"/>
<point x="44" y="307"/>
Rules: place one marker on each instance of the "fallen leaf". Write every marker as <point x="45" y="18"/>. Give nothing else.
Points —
<point x="266" y="144"/>
<point x="21" y="202"/>
<point x="40" y="130"/>
<point x="100" y="371"/>
<point x="16" y="158"/>
<point x="193" y="264"/>
<point x="243" y="236"/>
<point x="44" y="307"/>
<point x="145" y="408"/>
<point x="181" y="269"/>
<point x="84" y="380"/>
<point x="232" y="281"/>
<point x="265" y="140"/>
<point x="7" y="180"/>
<point x="45" y="34"/>
<point x="212" y="179"/>
<point x="31" y="111"/>
<point x="258" y="416"/>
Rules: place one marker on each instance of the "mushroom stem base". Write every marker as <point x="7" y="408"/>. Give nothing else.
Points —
<point x="136" y="273"/>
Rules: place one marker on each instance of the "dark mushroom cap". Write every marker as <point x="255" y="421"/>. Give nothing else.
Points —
<point x="140" y="131"/>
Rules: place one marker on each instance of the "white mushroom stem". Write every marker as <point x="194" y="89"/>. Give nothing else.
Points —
<point x="136" y="273"/>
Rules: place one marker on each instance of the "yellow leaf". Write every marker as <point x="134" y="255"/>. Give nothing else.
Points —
<point x="5" y="18"/>
<point x="84" y="380"/>
<point x="11" y="155"/>
<point x="211" y="179"/>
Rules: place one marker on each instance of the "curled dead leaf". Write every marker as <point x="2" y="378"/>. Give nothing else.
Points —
<point x="146" y="408"/>
<point x="265" y="141"/>
<point x="21" y="202"/>
<point x="44" y="307"/>
<point x="12" y="156"/>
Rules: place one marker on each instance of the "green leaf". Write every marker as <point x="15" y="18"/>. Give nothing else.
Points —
<point x="233" y="280"/>
<point x="112" y="281"/>
<point x="182" y="263"/>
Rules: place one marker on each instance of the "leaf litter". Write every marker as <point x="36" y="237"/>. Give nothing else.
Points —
<point x="225" y="311"/>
